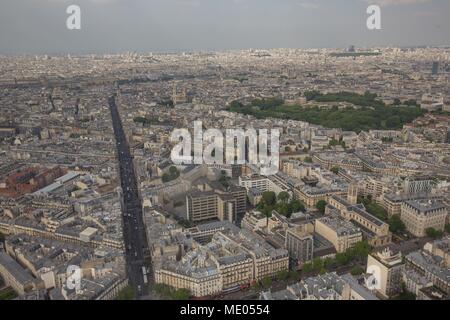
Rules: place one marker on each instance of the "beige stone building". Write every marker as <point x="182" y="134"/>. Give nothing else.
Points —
<point x="341" y="233"/>
<point x="374" y="230"/>
<point x="419" y="215"/>
<point x="200" y="284"/>
<point x="310" y="196"/>
<point x="228" y="263"/>
<point x="15" y="275"/>
<point x="386" y="267"/>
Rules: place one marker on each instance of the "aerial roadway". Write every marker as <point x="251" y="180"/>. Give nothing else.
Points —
<point x="133" y="226"/>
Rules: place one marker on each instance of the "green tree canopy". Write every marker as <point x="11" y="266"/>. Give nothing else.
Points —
<point x="357" y="270"/>
<point x="321" y="206"/>
<point x="181" y="294"/>
<point x="335" y="170"/>
<point x="283" y="196"/>
<point x="297" y="206"/>
<point x="396" y="225"/>
<point x="126" y="293"/>
<point x="283" y="275"/>
<point x="171" y="175"/>
<point x="433" y="233"/>
<point x="266" y="282"/>
<point x="269" y="198"/>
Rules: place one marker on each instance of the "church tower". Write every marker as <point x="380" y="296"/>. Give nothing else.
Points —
<point x="352" y="195"/>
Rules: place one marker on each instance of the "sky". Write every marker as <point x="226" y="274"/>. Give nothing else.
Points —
<point x="115" y="26"/>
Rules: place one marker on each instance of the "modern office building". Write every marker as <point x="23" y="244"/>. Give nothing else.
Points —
<point x="300" y="245"/>
<point x="215" y="204"/>
<point x="418" y="184"/>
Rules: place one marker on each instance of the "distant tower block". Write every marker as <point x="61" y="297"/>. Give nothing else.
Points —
<point x="352" y="195"/>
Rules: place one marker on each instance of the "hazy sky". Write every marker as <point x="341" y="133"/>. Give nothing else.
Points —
<point x="39" y="26"/>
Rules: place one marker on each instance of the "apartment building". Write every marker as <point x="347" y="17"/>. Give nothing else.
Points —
<point x="230" y="261"/>
<point x="419" y="215"/>
<point x="340" y="232"/>
<point x="264" y="184"/>
<point x="329" y="286"/>
<point x="430" y="266"/>
<point x="392" y="202"/>
<point x="310" y="196"/>
<point x="15" y="276"/>
<point x="386" y="266"/>
<point x="200" y="283"/>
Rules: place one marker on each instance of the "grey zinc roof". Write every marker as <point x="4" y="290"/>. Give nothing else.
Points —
<point x="16" y="270"/>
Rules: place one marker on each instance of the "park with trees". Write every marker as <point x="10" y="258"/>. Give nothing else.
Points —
<point x="281" y="204"/>
<point x="371" y="112"/>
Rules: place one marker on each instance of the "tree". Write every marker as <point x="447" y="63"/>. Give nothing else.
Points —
<point x="126" y="293"/>
<point x="283" y="275"/>
<point x="335" y="170"/>
<point x="396" y="225"/>
<point x="357" y="270"/>
<point x="181" y="294"/>
<point x="321" y="206"/>
<point x="283" y="196"/>
<point x="7" y="294"/>
<point x="328" y="262"/>
<point x="165" y="177"/>
<point x="266" y="282"/>
<point x="296" y="206"/>
<point x="447" y="228"/>
<point x="269" y="198"/>
<point x="372" y="114"/>
<point x="308" y="160"/>
<point x="342" y="258"/>
<point x="308" y="267"/>
<point x="294" y="276"/>
<point x="283" y="209"/>
<point x="433" y="233"/>
<point x="171" y="175"/>
<point x="376" y="210"/>
<point x="361" y="249"/>
<point x="317" y="264"/>
<point x="173" y="170"/>
<point x="267" y="211"/>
